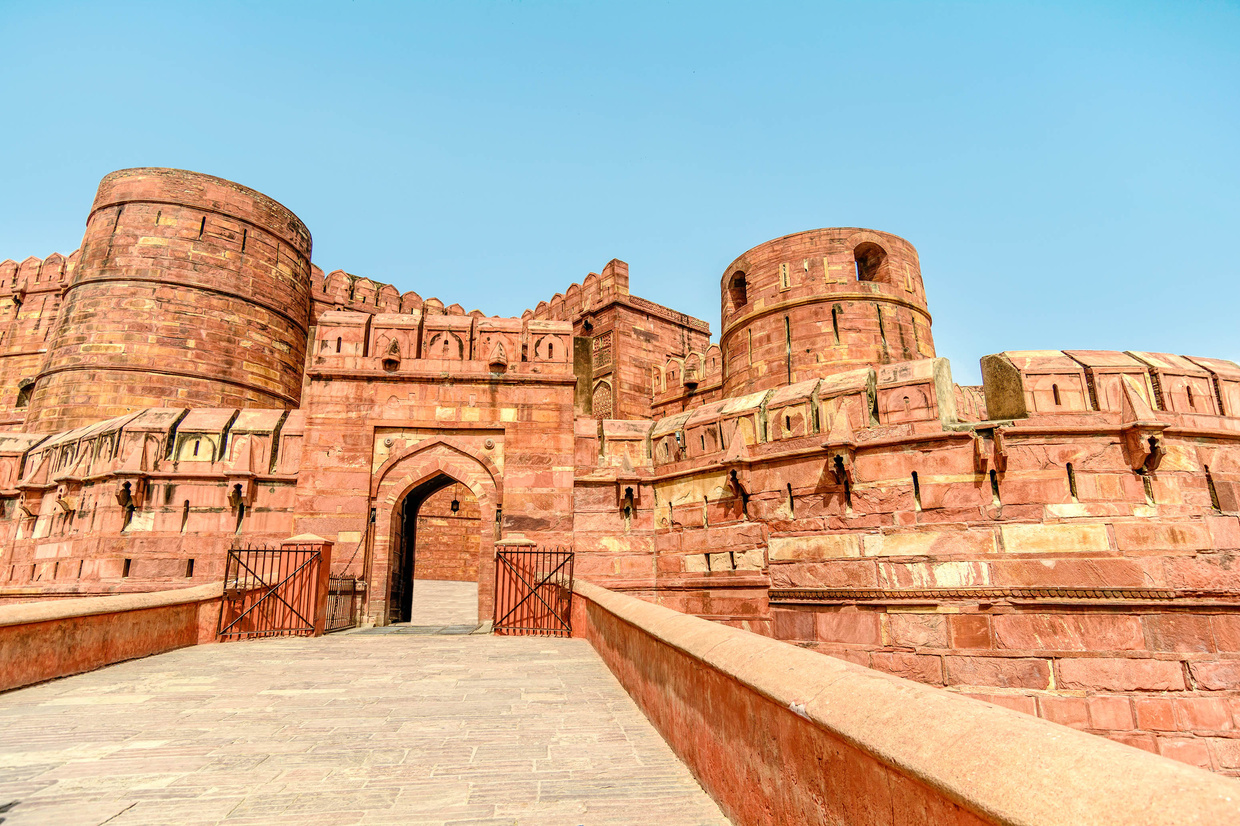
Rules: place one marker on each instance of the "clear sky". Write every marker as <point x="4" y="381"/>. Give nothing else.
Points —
<point x="1069" y="172"/>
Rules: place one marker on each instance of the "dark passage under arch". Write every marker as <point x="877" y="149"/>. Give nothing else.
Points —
<point x="437" y="537"/>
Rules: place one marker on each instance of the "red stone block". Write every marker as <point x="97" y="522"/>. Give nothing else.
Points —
<point x="1226" y="629"/>
<point x="1155" y="713"/>
<point x="1177" y="632"/>
<point x="1067" y="632"/>
<point x="1067" y="711"/>
<point x="922" y="668"/>
<point x="1191" y="750"/>
<point x="918" y="630"/>
<point x="1112" y="674"/>
<point x="1000" y="672"/>
<point x="1110" y="713"/>
<point x="1216" y="676"/>
<point x="1146" y="742"/>
<point x="860" y="627"/>
<point x="1203" y="714"/>
<point x="970" y="631"/>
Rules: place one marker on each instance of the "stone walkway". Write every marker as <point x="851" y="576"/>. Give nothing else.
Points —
<point x="350" y="728"/>
<point x="440" y="603"/>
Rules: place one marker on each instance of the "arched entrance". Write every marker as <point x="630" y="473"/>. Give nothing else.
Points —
<point x="435" y="555"/>
<point x="409" y="480"/>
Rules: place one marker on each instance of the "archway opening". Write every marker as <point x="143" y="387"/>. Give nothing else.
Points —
<point x="435" y="564"/>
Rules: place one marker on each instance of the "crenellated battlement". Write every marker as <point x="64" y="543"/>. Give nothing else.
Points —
<point x="424" y="340"/>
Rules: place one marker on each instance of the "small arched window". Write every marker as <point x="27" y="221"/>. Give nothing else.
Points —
<point x="871" y="260"/>
<point x="738" y="291"/>
<point x="23" y="393"/>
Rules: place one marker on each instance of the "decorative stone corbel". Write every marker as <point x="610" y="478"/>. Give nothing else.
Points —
<point x="131" y="492"/>
<point x="841" y="444"/>
<point x="1140" y="430"/>
<point x="240" y="491"/>
<point x="1000" y="450"/>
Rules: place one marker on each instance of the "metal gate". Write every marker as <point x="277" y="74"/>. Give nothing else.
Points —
<point x="269" y="592"/>
<point x="533" y="592"/>
<point x="343" y="595"/>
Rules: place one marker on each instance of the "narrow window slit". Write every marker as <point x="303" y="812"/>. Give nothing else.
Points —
<point x="1214" y="503"/>
<point x="916" y="492"/>
<point x="994" y="489"/>
<point x="791" y="505"/>
<point x="1072" y="483"/>
<point x="1055" y="393"/>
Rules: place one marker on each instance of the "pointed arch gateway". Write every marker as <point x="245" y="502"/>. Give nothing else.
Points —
<point x="405" y="481"/>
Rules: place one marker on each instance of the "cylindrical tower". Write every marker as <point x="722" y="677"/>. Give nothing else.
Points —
<point x="821" y="302"/>
<point x="191" y="291"/>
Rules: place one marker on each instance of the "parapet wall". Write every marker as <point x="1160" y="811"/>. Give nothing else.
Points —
<point x="45" y="641"/>
<point x="190" y="289"/>
<point x="779" y="735"/>
<point x="1072" y="562"/>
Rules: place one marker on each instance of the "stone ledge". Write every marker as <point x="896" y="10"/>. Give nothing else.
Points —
<point x="33" y="612"/>
<point x="1004" y="766"/>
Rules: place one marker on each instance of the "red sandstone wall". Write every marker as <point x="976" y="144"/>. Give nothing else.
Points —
<point x="905" y="754"/>
<point x="190" y="289"/>
<point x="46" y="641"/>
<point x="30" y="298"/>
<point x="67" y="532"/>
<point x="447" y="542"/>
<point x="373" y="432"/>
<point x="804" y="312"/>
<point x="631" y="339"/>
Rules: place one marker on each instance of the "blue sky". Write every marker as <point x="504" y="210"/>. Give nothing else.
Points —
<point x="1069" y="172"/>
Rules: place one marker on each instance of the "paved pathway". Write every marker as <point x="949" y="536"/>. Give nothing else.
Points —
<point x="440" y="603"/>
<point x="351" y="728"/>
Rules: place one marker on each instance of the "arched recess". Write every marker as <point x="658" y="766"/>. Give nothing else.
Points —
<point x="420" y="471"/>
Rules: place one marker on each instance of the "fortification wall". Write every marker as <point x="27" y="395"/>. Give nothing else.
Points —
<point x="189" y="290"/>
<point x="821" y="302"/>
<point x="1059" y="562"/>
<point x="145" y="501"/>
<point x="629" y="340"/>
<point x="30" y="298"/>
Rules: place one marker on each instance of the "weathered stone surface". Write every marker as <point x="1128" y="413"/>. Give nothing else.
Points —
<point x="189" y="380"/>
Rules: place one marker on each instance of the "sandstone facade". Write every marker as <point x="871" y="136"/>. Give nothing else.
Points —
<point x="1062" y="539"/>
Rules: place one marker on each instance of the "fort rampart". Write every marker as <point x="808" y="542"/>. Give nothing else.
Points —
<point x="1060" y="540"/>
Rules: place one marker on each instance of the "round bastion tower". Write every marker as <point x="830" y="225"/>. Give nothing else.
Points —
<point x="821" y="302"/>
<point x="191" y="291"/>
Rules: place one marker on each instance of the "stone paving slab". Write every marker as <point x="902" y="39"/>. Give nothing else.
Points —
<point x="352" y="728"/>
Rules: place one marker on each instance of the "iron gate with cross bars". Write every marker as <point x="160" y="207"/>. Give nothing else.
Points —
<point x="269" y="592"/>
<point x="533" y="592"/>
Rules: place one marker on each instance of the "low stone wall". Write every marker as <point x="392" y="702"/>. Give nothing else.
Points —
<point x="777" y="734"/>
<point x="44" y="640"/>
